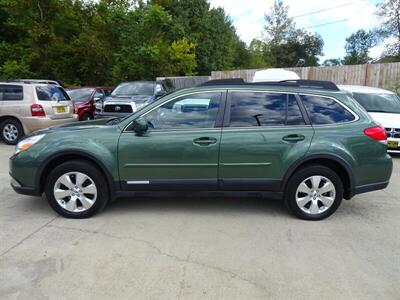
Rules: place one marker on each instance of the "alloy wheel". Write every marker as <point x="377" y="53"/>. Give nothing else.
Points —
<point x="315" y="195"/>
<point x="75" y="192"/>
<point x="10" y="132"/>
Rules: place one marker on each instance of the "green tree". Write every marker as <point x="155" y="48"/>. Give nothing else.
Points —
<point x="389" y="13"/>
<point x="357" y="47"/>
<point x="332" y="62"/>
<point x="287" y="46"/>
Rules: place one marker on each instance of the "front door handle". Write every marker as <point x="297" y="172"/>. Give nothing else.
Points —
<point x="205" y="141"/>
<point x="294" y="138"/>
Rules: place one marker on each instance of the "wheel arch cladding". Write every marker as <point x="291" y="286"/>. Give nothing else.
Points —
<point x="56" y="160"/>
<point x="337" y="164"/>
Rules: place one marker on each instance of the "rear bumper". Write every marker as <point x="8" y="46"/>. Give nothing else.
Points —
<point x="371" y="187"/>
<point x="32" y="124"/>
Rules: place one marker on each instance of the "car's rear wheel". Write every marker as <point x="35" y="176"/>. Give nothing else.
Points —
<point x="76" y="189"/>
<point x="11" y="131"/>
<point x="314" y="192"/>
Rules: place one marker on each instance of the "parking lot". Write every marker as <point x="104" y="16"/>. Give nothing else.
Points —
<point x="222" y="248"/>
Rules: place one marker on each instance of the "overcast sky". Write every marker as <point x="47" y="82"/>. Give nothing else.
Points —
<point x="248" y="18"/>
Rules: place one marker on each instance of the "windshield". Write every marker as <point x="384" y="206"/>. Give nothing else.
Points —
<point x="134" y="88"/>
<point x="80" y="95"/>
<point x="51" y="93"/>
<point x="386" y="103"/>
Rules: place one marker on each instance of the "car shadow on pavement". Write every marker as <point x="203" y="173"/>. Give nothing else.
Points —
<point x="199" y="205"/>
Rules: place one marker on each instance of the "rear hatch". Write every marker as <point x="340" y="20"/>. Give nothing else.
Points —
<point x="55" y="101"/>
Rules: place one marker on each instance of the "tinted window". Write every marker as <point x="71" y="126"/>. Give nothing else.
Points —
<point x="322" y="110"/>
<point x="134" y="88"/>
<point x="11" y="92"/>
<point x="191" y="111"/>
<point x="79" y="95"/>
<point x="264" y="109"/>
<point x="99" y="95"/>
<point x="387" y="103"/>
<point x="51" y="93"/>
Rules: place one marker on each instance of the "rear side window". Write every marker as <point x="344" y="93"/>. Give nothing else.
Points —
<point x="249" y="109"/>
<point x="51" y="93"/>
<point x="11" y="92"/>
<point x="322" y="110"/>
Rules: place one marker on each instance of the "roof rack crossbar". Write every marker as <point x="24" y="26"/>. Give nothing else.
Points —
<point x="299" y="83"/>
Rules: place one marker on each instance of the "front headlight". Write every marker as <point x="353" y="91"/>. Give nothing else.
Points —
<point x="25" y="144"/>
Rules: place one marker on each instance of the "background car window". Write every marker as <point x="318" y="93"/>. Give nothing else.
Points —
<point x="322" y="110"/>
<point x="11" y="92"/>
<point x="191" y="111"/>
<point x="386" y="103"/>
<point x="79" y="95"/>
<point x="250" y="109"/>
<point x="98" y="95"/>
<point x="51" y="93"/>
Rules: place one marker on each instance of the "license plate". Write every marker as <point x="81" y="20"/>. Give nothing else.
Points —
<point x="393" y="144"/>
<point x="60" y="110"/>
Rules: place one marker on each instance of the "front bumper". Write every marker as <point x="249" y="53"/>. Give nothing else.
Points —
<point x="23" y="190"/>
<point x="394" y="150"/>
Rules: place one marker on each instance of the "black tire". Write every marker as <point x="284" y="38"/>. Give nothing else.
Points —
<point x="88" y="169"/>
<point x="86" y="117"/>
<point x="11" y="123"/>
<point x="299" y="177"/>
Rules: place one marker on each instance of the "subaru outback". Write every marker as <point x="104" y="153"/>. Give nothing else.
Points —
<point x="304" y="142"/>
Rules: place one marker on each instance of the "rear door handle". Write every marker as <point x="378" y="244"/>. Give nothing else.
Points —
<point x="204" y="141"/>
<point x="294" y="138"/>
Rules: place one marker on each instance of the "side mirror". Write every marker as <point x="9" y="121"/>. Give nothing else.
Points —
<point x="97" y="99"/>
<point x="140" y="126"/>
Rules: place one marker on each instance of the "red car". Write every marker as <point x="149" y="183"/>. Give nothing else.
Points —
<point x="84" y="99"/>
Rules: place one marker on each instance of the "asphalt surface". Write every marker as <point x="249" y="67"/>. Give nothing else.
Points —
<point x="226" y="248"/>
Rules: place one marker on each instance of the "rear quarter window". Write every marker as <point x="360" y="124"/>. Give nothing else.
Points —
<point x="11" y="92"/>
<point x="323" y="110"/>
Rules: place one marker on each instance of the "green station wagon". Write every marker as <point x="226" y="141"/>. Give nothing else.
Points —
<point x="304" y="142"/>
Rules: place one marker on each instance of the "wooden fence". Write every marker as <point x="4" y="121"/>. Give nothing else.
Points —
<point x="184" y="82"/>
<point x="376" y="75"/>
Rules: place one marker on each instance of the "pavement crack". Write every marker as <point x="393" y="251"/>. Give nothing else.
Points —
<point x="187" y="260"/>
<point x="28" y="236"/>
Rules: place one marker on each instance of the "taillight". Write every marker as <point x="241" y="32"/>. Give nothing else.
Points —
<point x="378" y="133"/>
<point x="37" y="110"/>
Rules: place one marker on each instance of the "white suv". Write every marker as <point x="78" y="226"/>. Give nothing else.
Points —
<point x="383" y="106"/>
<point x="26" y="107"/>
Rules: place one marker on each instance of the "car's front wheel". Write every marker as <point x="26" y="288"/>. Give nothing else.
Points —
<point x="76" y="189"/>
<point x="314" y="192"/>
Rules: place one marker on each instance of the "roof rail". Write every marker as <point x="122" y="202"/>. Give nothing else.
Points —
<point x="300" y="83"/>
<point x="232" y="81"/>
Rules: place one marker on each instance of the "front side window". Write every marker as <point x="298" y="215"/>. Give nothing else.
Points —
<point x="323" y="110"/>
<point x="51" y="93"/>
<point x="11" y="92"/>
<point x="249" y="109"/>
<point x="187" y="112"/>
